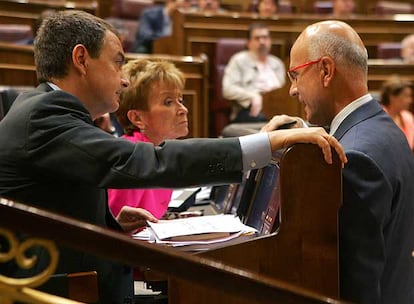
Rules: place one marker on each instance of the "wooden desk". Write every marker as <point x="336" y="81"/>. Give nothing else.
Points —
<point x="299" y="264"/>
<point x="381" y="70"/>
<point x="16" y="54"/>
<point x="17" y="75"/>
<point x="12" y="17"/>
<point x="307" y="237"/>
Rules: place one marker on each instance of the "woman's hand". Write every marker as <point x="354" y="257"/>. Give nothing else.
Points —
<point x="131" y="218"/>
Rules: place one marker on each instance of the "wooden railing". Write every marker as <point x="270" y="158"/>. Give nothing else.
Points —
<point x="299" y="264"/>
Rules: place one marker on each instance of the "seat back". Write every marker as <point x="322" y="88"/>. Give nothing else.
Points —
<point x="285" y="7"/>
<point x="389" y="50"/>
<point x="130" y="9"/>
<point x="220" y="107"/>
<point x="7" y="96"/>
<point x="323" y="7"/>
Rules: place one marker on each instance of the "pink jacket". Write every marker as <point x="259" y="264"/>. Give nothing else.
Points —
<point x="154" y="200"/>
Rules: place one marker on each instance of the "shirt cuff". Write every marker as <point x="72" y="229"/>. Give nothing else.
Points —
<point x="256" y="151"/>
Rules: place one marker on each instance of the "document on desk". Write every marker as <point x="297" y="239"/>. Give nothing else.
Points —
<point x="200" y="229"/>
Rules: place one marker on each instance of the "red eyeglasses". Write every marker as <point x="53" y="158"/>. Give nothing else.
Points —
<point x="292" y="72"/>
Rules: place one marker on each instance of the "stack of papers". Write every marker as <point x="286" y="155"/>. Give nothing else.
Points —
<point x="199" y="230"/>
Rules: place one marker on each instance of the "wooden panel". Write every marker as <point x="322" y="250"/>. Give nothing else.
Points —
<point x="12" y="17"/>
<point x="17" y="75"/>
<point x="307" y="238"/>
<point x="381" y="70"/>
<point x="17" y="54"/>
<point x="279" y="102"/>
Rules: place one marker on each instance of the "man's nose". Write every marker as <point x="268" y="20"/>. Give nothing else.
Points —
<point x="293" y="90"/>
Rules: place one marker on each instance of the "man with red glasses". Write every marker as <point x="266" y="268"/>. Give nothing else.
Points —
<point x="376" y="221"/>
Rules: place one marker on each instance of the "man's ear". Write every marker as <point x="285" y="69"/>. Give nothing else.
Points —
<point x="328" y="70"/>
<point x="80" y="57"/>
<point x="135" y="117"/>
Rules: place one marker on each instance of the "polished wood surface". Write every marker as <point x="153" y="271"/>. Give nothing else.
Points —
<point x="17" y="75"/>
<point x="16" y="54"/>
<point x="381" y="70"/>
<point x="304" y="251"/>
<point x="299" y="264"/>
<point x="12" y="17"/>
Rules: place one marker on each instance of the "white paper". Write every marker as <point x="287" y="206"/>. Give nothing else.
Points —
<point x="166" y="229"/>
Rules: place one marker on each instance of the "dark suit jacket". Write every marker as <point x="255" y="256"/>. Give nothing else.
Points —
<point x="53" y="157"/>
<point x="152" y="25"/>
<point x="377" y="216"/>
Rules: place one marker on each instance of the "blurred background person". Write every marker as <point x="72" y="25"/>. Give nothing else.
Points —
<point x="343" y="8"/>
<point x="151" y="110"/>
<point x="396" y="98"/>
<point x="407" y="49"/>
<point x="155" y="22"/>
<point x="267" y="8"/>
<point x="251" y="73"/>
<point x="209" y="6"/>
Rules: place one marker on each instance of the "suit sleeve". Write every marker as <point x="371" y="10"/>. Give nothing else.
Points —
<point x="68" y="145"/>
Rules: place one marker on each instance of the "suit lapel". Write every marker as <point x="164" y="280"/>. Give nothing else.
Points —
<point x="364" y="112"/>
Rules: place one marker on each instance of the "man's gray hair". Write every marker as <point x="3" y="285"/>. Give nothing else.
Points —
<point x="343" y="51"/>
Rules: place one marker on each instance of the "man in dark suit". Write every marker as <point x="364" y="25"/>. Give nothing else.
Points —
<point x="329" y="76"/>
<point x="53" y="157"/>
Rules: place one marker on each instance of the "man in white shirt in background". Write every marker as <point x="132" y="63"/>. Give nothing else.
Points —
<point x="250" y="73"/>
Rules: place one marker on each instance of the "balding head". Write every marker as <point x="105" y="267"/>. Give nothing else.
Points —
<point x="328" y="69"/>
<point x="337" y="40"/>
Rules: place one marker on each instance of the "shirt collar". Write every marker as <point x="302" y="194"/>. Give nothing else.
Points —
<point x="53" y="86"/>
<point x="340" y="117"/>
